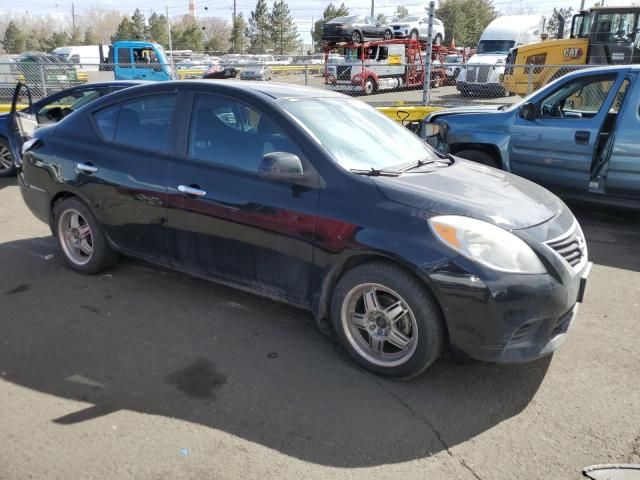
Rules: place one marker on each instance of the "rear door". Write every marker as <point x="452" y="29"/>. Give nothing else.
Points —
<point x="556" y="149"/>
<point x="125" y="173"/>
<point x="224" y="220"/>
<point x="622" y="170"/>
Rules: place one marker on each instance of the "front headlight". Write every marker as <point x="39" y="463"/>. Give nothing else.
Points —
<point x="487" y="244"/>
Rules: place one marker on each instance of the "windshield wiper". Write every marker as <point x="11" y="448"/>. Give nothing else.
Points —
<point x="375" y="172"/>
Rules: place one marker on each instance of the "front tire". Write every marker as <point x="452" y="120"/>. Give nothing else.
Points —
<point x="414" y="35"/>
<point x="388" y="35"/>
<point x="80" y="237"/>
<point x="387" y="320"/>
<point x="479" y="156"/>
<point x="356" y="37"/>
<point x="369" y="87"/>
<point x="438" y="40"/>
<point x="7" y="168"/>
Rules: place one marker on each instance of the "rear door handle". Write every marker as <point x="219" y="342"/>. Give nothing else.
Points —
<point x="582" y="137"/>
<point x="88" y="168"/>
<point x="190" y="190"/>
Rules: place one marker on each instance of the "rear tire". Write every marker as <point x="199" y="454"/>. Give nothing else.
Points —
<point x="437" y="40"/>
<point x="356" y="37"/>
<point x="388" y="35"/>
<point x="414" y="35"/>
<point x="7" y="167"/>
<point x="401" y="341"/>
<point x="479" y="156"/>
<point x="83" y="244"/>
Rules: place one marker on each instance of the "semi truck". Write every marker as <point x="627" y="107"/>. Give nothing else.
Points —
<point x="483" y="71"/>
<point x="380" y="65"/>
<point x="599" y="36"/>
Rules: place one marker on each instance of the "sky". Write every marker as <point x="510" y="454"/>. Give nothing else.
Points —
<point x="303" y="11"/>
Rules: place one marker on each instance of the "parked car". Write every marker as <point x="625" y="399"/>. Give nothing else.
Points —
<point x="53" y="109"/>
<point x="318" y="200"/>
<point x="453" y="64"/>
<point x="256" y="71"/>
<point x="355" y="28"/>
<point x="576" y="136"/>
<point x="417" y="27"/>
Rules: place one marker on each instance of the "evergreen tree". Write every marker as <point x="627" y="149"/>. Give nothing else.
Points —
<point x="330" y="13"/>
<point x="465" y="28"/>
<point x="139" y="28"/>
<point x="14" y="40"/>
<point x="124" y="31"/>
<point x="187" y="36"/>
<point x="238" y="39"/>
<point x="158" y="29"/>
<point x="284" y="33"/>
<point x="259" y="29"/>
<point x="554" y="21"/>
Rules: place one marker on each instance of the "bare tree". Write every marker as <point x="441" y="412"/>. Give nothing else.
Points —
<point x="217" y="32"/>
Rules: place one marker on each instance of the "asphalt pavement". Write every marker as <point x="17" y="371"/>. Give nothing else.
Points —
<point x="143" y="373"/>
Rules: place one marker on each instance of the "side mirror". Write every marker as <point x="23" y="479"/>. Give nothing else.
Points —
<point x="429" y="130"/>
<point x="528" y="111"/>
<point x="281" y="167"/>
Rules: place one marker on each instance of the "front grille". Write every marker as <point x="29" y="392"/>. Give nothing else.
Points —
<point x="571" y="246"/>
<point x="343" y="73"/>
<point x="472" y="72"/>
<point x="483" y="73"/>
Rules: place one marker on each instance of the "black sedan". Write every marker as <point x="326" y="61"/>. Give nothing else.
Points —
<point x="355" y="28"/>
<point x="53" y="109"/>
<point x="318" y="200"/>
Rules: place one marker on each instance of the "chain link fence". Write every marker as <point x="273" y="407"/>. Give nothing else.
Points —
<point x="452" y="84"/>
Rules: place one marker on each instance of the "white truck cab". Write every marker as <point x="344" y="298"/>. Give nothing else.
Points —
<point x="481" y="74"/>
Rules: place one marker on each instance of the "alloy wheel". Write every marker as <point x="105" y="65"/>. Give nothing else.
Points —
<point x="379" y="325"/>
<point x="76" y="237"/>
<point x="6" y="162"/>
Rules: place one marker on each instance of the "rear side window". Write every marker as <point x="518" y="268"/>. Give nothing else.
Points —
<point x="106" y="121"/>
<point x="145" y="122"/>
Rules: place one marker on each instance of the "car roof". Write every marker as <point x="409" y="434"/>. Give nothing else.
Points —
<point x="273" y="90"/>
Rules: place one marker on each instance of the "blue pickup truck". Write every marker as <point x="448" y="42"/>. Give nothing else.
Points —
<point x="578" y="136"/>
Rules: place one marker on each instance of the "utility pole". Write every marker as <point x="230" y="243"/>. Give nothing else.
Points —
<point x="582" y="5"/>
<point x="372" y="7"/>
<point x="234" y="27"/>
<point x="170" y="41"/>
<point x="73" y="20"/>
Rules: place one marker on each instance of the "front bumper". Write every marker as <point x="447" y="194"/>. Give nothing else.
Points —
<point x="511" y="318"/>
<point x="344" y="87"/>
<point x="495" y="89"/>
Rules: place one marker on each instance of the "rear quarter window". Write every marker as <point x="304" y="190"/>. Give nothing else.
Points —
<point x="105" y="121"/>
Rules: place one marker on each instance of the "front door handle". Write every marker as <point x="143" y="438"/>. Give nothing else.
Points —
<point x="191" y="190"/>
<point x="87" y="168"/>
<point x="582" y="137"/>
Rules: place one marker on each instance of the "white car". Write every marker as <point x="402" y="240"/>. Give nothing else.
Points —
<point x="417" y="26"/>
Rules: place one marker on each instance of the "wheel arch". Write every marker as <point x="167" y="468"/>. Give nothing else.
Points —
<point x="322" y="307"/>
<point x="488" y="148"/>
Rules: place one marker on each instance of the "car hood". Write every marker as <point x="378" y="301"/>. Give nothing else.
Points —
<point x="463" y="110"/>
<point x="473" y="190"/>
<point x="487" y="58"/>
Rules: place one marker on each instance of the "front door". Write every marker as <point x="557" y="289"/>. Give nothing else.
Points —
<point x="556" y="148"/>
<point x="224" y="220"/>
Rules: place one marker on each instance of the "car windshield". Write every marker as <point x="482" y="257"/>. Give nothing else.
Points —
<point x="356" y="135"/>
<point x="342" y="20"/>
<point x="495" y="46"/>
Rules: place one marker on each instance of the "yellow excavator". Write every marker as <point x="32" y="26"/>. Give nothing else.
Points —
<point x="599" y="36"/>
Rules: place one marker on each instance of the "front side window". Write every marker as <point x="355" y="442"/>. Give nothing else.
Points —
<point x="614" y="28"/>
<point x="58" y="109"/>
<point x="356" y="135"/>
<point x="583" y="97"/>
<point x="227" y="132"/>
<point x="146" y="122"/>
